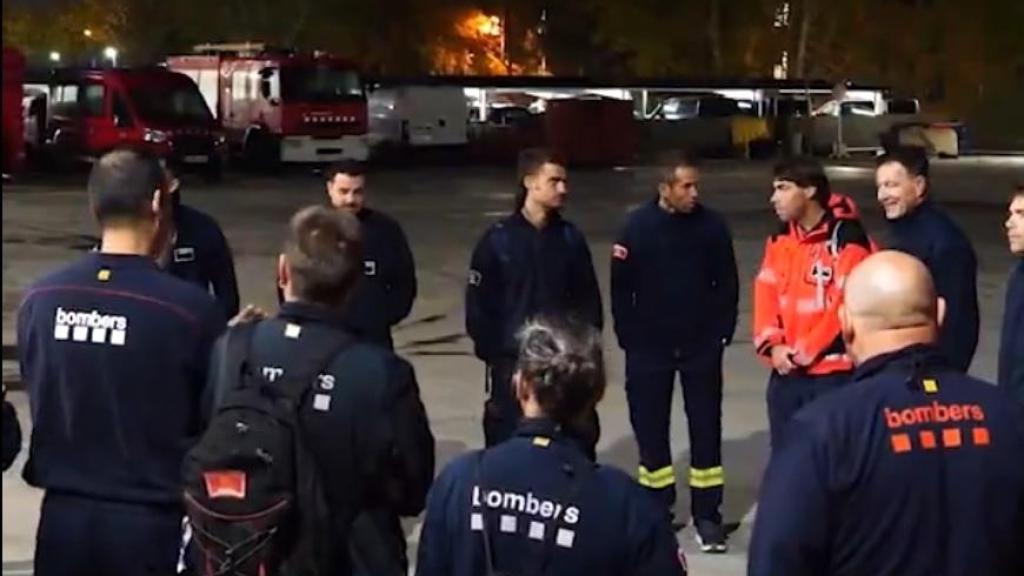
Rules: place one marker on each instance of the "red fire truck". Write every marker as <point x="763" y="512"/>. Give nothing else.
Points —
<point x="13" y="134"/>
<point x="280" y="105"/>
<point x="87" y="112"/>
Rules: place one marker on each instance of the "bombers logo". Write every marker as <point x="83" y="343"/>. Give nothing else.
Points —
<point x="92" y="326"/>
<point x="525" y="504"/>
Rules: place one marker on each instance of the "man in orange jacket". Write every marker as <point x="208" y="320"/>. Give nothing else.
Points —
<point x="798" y="291"/>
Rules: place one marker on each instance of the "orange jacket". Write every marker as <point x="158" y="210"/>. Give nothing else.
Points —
<point x="798" y="292"/>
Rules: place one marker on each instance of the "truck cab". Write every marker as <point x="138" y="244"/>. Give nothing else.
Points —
<point x="91" y="112"/>
<point x="280" y="105"/>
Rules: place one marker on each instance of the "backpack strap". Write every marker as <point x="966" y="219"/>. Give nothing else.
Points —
<point x="230" y="373"/>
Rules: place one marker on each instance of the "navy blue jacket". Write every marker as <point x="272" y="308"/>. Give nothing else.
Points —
<point x="12" y="433"/>
<point x="365" y="426"/>
<point x="385" y="294"/>
<point x="915" y="469"/>
<point x="931" y="236"/>
<point x="201" y="255"/>
<point x="518" y="272"/>
<point x="547" y="510"/>
<point x="674" y="281"/>
<point x="1011" y="349"/>
<point x="114" y="354"/>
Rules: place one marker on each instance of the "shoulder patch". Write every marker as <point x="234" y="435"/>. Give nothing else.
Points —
<point x="620" y="252"/>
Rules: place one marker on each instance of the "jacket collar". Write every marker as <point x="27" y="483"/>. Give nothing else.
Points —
<point x="914" y="358"/>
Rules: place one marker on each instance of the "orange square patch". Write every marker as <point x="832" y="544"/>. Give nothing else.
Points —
<point x="981" y="437"/>
<point x="900" y="443"/>
<point x="928" y="441"/>
<point x="951" y="438"/>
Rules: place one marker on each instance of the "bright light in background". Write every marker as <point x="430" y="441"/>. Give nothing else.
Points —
<point x="110" y="53"/>
<point x="54" y="56"/>
<point x="487" y="25"/>
<point x="87" y="33"/>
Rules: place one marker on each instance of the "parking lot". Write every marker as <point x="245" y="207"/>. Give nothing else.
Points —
<point x="444" y="210"/>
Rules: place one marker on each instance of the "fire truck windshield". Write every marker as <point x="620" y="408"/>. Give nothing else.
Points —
<point x="320" y="83"/>
<point x="176" y="105"/>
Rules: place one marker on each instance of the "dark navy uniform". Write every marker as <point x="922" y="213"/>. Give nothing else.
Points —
<point x="1011" y="349"/>
<point x="114" y="355"/>
<point x="12" y="433"/>
<point x="932" y="237"/>
<point x="543" y="508"/>
<point x="365" y="426"/>
<point x="518" y="272"/>
<point x="201" y="255"/>
<point x="675" y="293"/>
<point x="385" y="295"/>
<point x="914" y="469"/>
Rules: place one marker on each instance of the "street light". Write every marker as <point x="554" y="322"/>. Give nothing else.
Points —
<point x="110" y="53"/>
<point x="87" y="33"/>
<point x="54" y="57"/>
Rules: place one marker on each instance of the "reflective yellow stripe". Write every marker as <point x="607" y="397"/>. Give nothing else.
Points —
<point x="658" y="479"/>
<point x="707" y="477"/>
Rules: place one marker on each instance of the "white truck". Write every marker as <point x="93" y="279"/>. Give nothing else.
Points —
<point x="417" y="116"/>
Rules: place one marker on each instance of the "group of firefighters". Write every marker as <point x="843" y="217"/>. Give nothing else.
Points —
<point x="886" y="457"/>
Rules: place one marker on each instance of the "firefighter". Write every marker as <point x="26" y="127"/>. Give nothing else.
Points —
<point x="114" y="354"/>
<point x="531" y="262"/>
<point x="12" y="432"/>
<point x="367" y="429"/>
<point x="675" y="292"/>
<point x="537" y="504"/>
<point x="1011" y="350"/>
<point x="798" y="290"/>
<point x="200" y="253"/>
<point x="914" y="469"/>
<point x="388" y="288"/>
<point x="918" y="227"/>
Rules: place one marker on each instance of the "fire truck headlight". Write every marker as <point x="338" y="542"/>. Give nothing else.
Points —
<point x="155" y="136"/>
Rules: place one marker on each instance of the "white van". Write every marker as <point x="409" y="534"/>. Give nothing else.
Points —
<point x="418" y="116"/>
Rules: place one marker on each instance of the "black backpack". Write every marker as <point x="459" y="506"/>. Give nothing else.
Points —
<point x="253" y="493"/>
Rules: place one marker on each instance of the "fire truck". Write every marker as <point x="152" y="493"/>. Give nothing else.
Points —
<point x="80" y="114"/>
<point x="278" y="105"/>
<point x="13" y="136"/>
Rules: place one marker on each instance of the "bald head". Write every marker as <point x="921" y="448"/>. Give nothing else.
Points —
<point x="890" y="303"/>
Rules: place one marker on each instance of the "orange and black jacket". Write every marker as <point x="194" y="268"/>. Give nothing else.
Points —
<point x="798" y="291"/>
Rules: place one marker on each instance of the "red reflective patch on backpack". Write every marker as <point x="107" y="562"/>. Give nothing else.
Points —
<point x="225" y="484"/>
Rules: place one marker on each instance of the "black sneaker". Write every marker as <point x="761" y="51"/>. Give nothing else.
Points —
<point x="711" y="537"/>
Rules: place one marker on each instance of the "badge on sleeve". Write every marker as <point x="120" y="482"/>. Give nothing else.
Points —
<point x="620" y="252"/>
<point x="184" y="254"/>
<point x="475" y="278"/>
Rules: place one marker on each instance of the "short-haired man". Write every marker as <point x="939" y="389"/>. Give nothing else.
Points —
<point x="1011" y="350"/>
<point x="530" y="263"/>
<point x="365" y="425"/>
<point x="798" y="291"/>
<point x="675" y="290"/>
<point x="386" y="294"/>
<point x="114" y="354"/>
<point x="918" y="227"/>
<point x="914" y="469"/>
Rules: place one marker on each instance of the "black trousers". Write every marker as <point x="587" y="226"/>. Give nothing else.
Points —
<point x="84" y="537"/>
<point x="650" y="383"/>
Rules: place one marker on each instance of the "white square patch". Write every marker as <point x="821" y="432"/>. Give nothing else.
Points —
<point x="61" y="332"/>
<point x="80" y="334"/>
<point x="475" y="278"/>
<point x="509" y="524"/>
<point x="322" y="402"/>
<point x="117" y="337"/>
<point x="565" y="538"/>
<point x="99" y="335"/>
<point x="370" y="267"/>
<point x="536" y="531"/>
<point x="292" y="331"/>
<point x="476" y="522"/>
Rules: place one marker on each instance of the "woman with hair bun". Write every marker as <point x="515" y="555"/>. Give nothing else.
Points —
<point x="536" y="503"/>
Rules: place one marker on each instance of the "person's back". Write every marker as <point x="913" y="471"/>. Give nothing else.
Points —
<point x="537" y="503"/>
<point x="912" y="470"/>
<point x="362" y="419"/>
<point x="114" y="355"/>
<point x="537" y="492"/>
